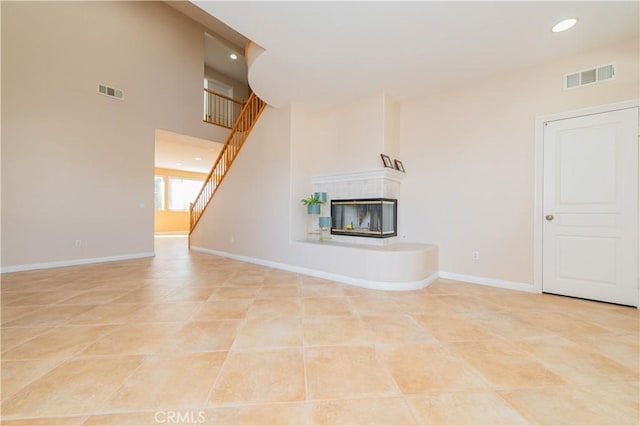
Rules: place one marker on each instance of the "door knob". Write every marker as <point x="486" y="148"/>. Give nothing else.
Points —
<point x="549" y="217"/>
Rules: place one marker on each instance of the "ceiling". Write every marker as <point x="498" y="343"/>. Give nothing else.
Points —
<point x="172" y="148"/>
<point x="219" y="43"/>
<point x="325" y="53"/>
<point x="217" y="27"/>
<point x="216" y="56"/>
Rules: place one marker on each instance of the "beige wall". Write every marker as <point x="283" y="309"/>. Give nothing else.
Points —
<point x="307" y="144"/>
<point x="249" y="212"/>
<point x="469" y="155"/>
<point x="357" y="137"/>
<point x="77" y="165"/>
<point x="391" y="127"/>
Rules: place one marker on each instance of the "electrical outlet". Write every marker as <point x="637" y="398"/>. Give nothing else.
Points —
<point x="78" y="243"/>
<point x="475" y="255"/>
<point x="232" y="239"/>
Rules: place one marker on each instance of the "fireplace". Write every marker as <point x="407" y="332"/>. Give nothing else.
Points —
<point x="370" y="217"/>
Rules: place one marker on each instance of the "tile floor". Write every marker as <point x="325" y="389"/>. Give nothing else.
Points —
<point x="188" y="338"/>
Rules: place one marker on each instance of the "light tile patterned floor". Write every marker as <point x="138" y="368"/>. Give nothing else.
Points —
<point x="188" y="338"/>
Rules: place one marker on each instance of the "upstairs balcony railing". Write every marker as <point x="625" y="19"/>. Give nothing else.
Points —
<point x="221" y="110"/>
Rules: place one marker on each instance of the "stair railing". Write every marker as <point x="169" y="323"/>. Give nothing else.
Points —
<point x="252" y="109"/>
<point x="220" y="109"/>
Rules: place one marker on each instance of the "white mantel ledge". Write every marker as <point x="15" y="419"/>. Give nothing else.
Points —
<point x="374" y="174"/>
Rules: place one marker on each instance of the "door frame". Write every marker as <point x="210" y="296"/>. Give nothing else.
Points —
<point x="538" y="202"/>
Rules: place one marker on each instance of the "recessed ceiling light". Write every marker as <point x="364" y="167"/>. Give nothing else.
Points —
<point x="178" y="164"/>
<point x="233" y="56"/>
<point x="198" y="158"/>
<point x="564" y="25"/>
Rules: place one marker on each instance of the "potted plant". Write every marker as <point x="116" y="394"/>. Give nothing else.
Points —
<point x="313" y="203"/>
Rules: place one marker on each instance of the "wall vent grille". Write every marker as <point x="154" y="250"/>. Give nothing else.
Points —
<point x="590" y="76"/>
<point x="112" y="92"/>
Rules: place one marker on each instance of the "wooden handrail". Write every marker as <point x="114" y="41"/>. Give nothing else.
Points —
<point x="221" y="110"/>
<point x="229" y="138"/>
<point x="246" y="51"/>
<point x="251" y="110"/>
<point x="239" y="102"/>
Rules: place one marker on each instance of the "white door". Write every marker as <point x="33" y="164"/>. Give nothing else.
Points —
<point x="590" y="231"/>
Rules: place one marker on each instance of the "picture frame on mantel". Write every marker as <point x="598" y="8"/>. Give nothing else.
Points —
<point x="386" y="160"/>
<point x="399" y="166"/>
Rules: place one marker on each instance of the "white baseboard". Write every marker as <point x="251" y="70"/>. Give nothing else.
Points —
<point x="75" y="262"/>
<point x="510" y="285"/>
<point x="374" y="285"/>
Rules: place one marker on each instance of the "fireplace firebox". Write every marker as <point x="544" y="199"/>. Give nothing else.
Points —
<point x="371" y="217"/>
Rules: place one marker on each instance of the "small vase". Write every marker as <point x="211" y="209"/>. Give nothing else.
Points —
<point x="322" y="196"/>
<point x="313" y="209"/>
<point x="325" y="222"/>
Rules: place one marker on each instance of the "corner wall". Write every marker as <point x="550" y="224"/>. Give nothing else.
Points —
<point x="249" y="214"/>
<point x="77" y="165"/>
<point x="469" y="155"/>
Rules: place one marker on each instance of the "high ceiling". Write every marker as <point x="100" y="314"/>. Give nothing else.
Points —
<point x="216" y="56"/>
<point x="220" y="41"/>
<point x="324" y="53"/>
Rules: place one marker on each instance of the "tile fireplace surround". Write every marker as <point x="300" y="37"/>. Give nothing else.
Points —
<point x="389" y="263"/>
<point x="377" y="183"/>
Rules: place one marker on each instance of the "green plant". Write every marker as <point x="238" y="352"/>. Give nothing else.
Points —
<point x="312" y="200"/>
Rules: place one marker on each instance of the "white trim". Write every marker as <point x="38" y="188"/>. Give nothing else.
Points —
<point x="374" y="285"/>
<point x="538" y="212"/>
<point x="633" y="103"/>
<point x="491" y="282"/>
<point x="75" y="262"/>
<point x="383" y="173"/>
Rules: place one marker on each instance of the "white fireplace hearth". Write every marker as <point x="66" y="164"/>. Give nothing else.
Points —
<point x="379" y="263"/>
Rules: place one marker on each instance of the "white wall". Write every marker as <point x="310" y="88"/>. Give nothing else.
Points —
<point x="469" y="155"/>
<point x="77" y="165"/>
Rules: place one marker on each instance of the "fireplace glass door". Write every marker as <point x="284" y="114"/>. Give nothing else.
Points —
<point x="375" y="217"/>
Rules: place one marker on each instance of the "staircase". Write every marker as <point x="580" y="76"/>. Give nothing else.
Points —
<point x="239" y="133"/>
